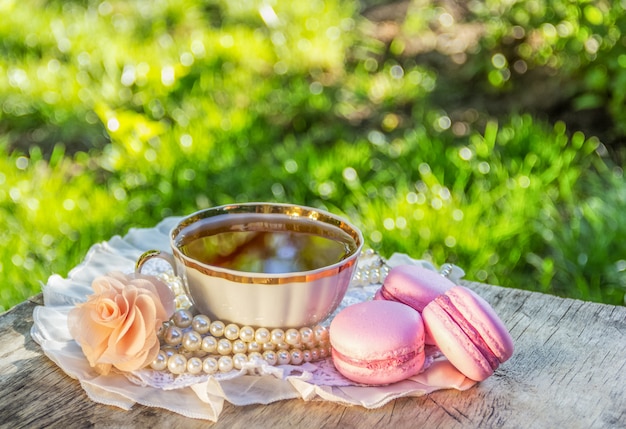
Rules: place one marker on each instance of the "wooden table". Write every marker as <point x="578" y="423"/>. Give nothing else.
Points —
<point x="568" y="371"/>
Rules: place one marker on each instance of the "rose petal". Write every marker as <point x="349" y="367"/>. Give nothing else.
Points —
<point x="107" y="283"/>
<point x="134" y="338"/>
<point x="91" y="336"/>
<point x="106" y="311"/>
<point x="163" y="291"/>
<point x="120" y="331"/>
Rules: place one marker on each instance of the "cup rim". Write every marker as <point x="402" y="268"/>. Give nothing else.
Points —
<point x="295" y="210"/>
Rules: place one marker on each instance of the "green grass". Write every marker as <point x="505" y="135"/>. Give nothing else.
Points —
<point x="117" y="114"/>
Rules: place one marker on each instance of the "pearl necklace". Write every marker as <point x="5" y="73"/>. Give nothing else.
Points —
<point x="372" y="269"/>
<point x="194" y="344"/>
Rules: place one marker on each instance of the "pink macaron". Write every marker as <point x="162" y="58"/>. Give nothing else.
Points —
<point x="377" y="342"/>
<point x="414" y="286"/>
<point x="468" y="332"/>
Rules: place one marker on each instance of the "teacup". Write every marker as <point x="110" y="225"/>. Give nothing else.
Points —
<point x="263" y="264"/>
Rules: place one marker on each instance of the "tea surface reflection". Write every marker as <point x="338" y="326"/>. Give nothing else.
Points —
<point x="267" y="251"/>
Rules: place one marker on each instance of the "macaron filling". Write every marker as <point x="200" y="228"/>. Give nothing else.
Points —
<point x="448" y="306"/>
<point x="378" y="364"/>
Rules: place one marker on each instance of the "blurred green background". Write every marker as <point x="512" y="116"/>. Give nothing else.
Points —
<point x="484" y="133"/>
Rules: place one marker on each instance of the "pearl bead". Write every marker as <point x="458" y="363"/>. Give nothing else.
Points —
<point x="183" y="351"/>
<point x="176" y="285"/>
<point x="225" y="364"/>
<point x="292" y="337"/>
<point x="283" y="357"/>
<point x="169" y="351"/>
<point x="254" y="356"/>
<point x="321" y="333"/>
<point x="255" y="347"/>
<point x="177" y="364"/>
<point x="192" y="341"/>
<point x="161" y="331"/>
<point x="160" y="361"/>
<point x="246" y="334"/>
<point x="182" y="318"/>
<point x="306" y="335"/>
<point x="239" y="360"/>
<point x="201" y="323"/>
<point x="217" y="328"/>
<point x="269" y="347"/>
<point x="324" y="352"/>
<point x="209" y="344"/>
<point x="270" y="357"/>
<point x="182" y="301"/>
<point x="296" y="357"/>
<point x="306" y="355"/>
<point x="231" y="331"/>
<point x="262" y="335"/>
<point x="209" y="365"/>
<point x="239" y="347"/>
<point x="315" y="354"/>
<point x="194" y="365"/>
<point x="224" y="347"/>
<point x="173" y="335"/>
<point x="282" y="346"/>
<point x="277" y="336"/>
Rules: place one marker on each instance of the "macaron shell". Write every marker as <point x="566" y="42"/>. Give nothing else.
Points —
<point x="414" y="286"/>
<point x="455" y="345"/>
<point x="484" y="320"/>
<point x="475" y="355"/>
<point x="377" y="342"/>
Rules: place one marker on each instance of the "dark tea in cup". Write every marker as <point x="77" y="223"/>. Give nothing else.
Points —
<point x="280" y="245"/>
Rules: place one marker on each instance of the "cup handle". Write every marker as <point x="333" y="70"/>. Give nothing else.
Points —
<point x="151" y="254"/>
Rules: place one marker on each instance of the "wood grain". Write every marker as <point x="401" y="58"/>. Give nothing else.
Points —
<point x="568" y="370"/>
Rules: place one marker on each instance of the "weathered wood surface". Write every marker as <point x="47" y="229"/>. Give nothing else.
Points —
<point x="568" y="371"/>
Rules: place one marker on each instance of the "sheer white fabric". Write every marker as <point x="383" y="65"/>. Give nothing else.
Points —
<point x="203" y="396"/>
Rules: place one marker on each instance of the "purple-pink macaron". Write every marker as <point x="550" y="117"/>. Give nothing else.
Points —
<point x="377" y="342"/>
<point x="468" y="332"/>
<point x="414" y="286"/>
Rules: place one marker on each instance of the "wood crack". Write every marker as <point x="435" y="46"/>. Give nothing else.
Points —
<point x="445" y="410"/>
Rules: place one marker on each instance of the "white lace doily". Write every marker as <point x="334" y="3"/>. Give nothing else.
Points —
<point x="203" y="396"/>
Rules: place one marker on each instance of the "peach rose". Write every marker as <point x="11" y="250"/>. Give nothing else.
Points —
<point x="118" y="324"/>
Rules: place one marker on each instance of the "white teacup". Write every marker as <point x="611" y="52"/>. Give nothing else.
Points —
<point x="263" y="264"/>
